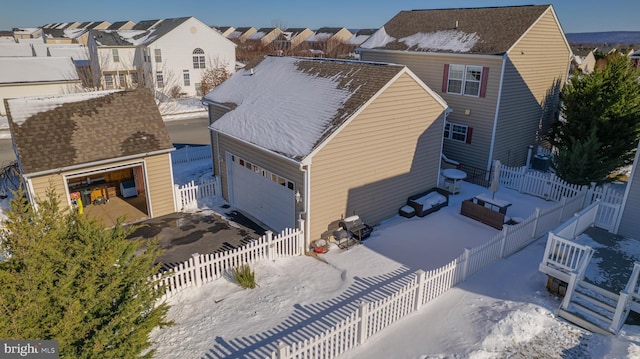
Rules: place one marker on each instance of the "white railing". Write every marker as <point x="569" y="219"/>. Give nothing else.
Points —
<point x="205" y="268"/>
<point x="539" y="184"/>
<point x="189" y="153"/>
<point x="579" y="223"/>
<point x="187" y="195"/>
<point x="631" y="292"/>
<point x="424" y="287"/>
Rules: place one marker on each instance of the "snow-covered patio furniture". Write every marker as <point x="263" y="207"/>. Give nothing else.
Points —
<point x="429" y="201"/>
<point x="480" y="213"/>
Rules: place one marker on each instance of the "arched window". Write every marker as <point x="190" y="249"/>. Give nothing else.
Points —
<point x="198" y="59"/>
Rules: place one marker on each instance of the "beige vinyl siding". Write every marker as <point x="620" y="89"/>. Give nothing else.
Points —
<point x="535" y="71"/>
<point x="629" y="225"/>
<point x="158" y="174"/>
<point x="430" y="69"/>
<point x="160" y="183"/>
<point x="56" y="182"/>
<point x="265" y="159"/>
<point x="388" y="152"/>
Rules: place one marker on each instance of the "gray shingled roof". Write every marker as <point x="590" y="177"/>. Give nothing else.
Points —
<point x="299" y="98"/>
<point x="493" y="29"/>
<point x="128" y="37"/>
<point x="116" y="25"/>
<point x="68" y="130"/>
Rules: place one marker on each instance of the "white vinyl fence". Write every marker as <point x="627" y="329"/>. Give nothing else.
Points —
<point x="189" y="154"/>
<point x="205" y="268"/>
<point x="372" y="317"/>
<point x="187" y="195"/>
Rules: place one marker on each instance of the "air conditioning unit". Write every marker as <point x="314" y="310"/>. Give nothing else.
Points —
<point x="540" y="163"/>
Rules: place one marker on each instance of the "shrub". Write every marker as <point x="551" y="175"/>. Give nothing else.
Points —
<point x="244" y="276"/>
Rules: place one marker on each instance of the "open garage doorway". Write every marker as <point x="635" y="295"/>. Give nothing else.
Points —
<point x="109" y="193"/>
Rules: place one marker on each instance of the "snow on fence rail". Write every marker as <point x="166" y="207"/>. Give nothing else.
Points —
<point x="191" y="153"/>
<point x="540" y="184"/>
<point x="373" y="317"/>
<point x="187" y="195"/>
<point x="205" y="268"/>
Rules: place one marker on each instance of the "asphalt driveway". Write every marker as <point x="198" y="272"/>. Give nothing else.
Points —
<point x="181" y="235"/>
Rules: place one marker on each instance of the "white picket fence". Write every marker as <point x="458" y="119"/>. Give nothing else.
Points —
<point x="187" y="195"/>
<point x="373" y="317"/>
<point x="191" y="153"/>
<point x="205" y="268"/>
<point x="540" y="184"/>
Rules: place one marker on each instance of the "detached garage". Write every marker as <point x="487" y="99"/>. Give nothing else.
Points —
<point x="319" y="140"/>
<point x="106" y="154"/>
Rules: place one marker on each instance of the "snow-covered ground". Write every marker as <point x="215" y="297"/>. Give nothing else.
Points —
<point x="502" y="311"/>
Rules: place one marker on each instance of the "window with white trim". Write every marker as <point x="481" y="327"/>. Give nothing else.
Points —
<point x="264" y="173"/>
<point x="186" y="78"/>
<point x="198" y="59"/>
<point x="122" y="82"/>
<point x="159" y="79"/>
<point x="456" y="132"/>
<point x="465" y="80"/>
<point x="108" y="80"/>
<point x="158" y="55"/>
<point x="116" y="56"/>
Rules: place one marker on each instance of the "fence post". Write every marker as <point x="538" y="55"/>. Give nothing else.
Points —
<point x="363" y="314"/>
<point x="523" y="173"/>
<point x="465" y="266"/>
<point x="535" y="223"/>
<point x="503" y="242"/>
<point x="588" y="199"/>
<point x="564" y="204"/>
<point x="283" y="350"/>
<point x="301" y="241"/>
<point x="270" y="250"/>
<point x="421" y="277"/>
<point x="177" y="197"/>
<point x="196" y="259"/>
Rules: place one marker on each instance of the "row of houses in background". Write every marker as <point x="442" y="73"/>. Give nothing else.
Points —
<point x="588" y="58"/>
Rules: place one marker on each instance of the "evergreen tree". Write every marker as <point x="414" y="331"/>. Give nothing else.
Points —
<point x="601" y="114"/>
<point x="69" y="279"/>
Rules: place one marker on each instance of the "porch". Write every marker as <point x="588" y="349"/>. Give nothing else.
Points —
<point x="596" y="270"/>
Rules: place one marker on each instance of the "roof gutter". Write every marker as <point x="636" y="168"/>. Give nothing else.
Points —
<point x="495" y="118"/>
<point x="464" y="54"/>
<point x="96" y="163"/>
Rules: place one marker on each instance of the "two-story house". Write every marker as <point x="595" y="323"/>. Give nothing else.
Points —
<point x="500" y="69"/>
<point x="168" y="56"/>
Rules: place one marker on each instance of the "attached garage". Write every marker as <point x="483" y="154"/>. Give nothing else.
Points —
<point x="106" y="154"/>
<point x="266" y="196"/>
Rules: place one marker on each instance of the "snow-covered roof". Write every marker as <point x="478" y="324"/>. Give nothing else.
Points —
<point x="36" y="40"/>
<point x="290" y="105"/>
<point x="43" y="49"/>
<point x="137" y="36"/>
<point x="25" y="30"/>
<point x="37" y="69"/>
<point x="25" y="107"/>
<point x="76" y="53"/>
<point x="15" y="50"/>
<point x="489" y="30"/>
<point x="357" y="39"/>
<point x="258" y="35"/>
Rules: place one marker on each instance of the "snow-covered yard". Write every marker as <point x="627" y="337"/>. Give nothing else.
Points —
<point x="502" y="311"/>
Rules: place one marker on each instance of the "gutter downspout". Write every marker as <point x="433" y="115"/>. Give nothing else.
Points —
<point x="447" y="111"/>
<point x="495" y="119"/>
<point x="306" y="169"/>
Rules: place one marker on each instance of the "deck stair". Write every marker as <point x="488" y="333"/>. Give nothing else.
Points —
<point x="592" y="308"/>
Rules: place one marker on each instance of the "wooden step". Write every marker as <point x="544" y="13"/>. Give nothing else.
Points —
<point x="582" y="322"/>
<point x="594" y="288"/>
<point x="584" y="297"/>
<point x="589" y="313"/>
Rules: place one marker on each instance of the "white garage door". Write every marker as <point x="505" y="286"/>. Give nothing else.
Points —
<point x="253" y="191"/>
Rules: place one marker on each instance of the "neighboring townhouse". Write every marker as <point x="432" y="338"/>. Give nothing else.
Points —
<point x="328" y="40"/>
<point x="109" y="150"/>
<point x="289" y="40"/>
<point x="6" y="37"/>
<point x="320" y="140"/>
<point x="627" y="224"/>
<point x="583" y="60"/>
<point x="121" y="25"/>
<point x="224" y="30"/>
<point x="65" y="36"/>
<point x="635" y="58"/>
<point x="500" y="69"/>
<point x="360" y="36"/>
<point x="264" y="36"/>
<point x="27" y="32"/>
<point x="240" y="34"/>
<point x="36" y="76"/>
<point x="170" y="56"/>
